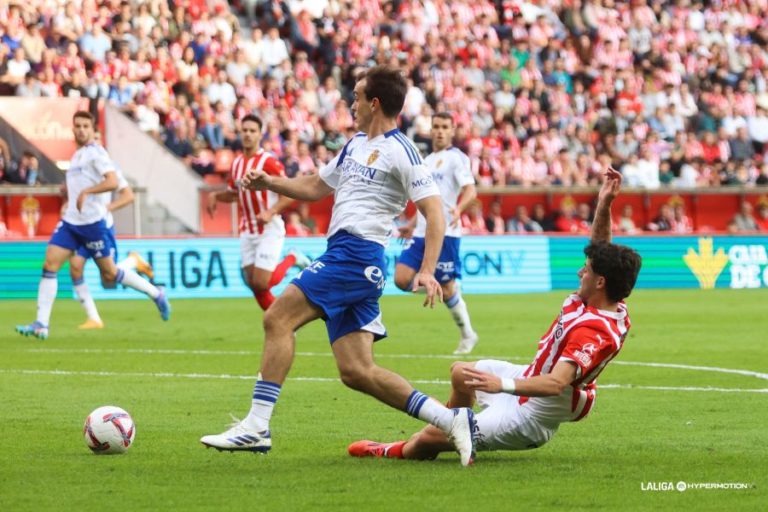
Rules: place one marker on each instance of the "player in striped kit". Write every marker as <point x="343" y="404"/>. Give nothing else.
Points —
<point x="262" y="231"/>
<point x="523" y="406"/>
<point x="451" y="171"/>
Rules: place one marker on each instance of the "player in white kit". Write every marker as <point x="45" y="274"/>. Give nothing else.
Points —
<point x="372" y="178"/>
<point x="84" y="224"/>
<point x="451" y="171"/>
<point x="122" y="197"/>
<point x="523" y="405"/>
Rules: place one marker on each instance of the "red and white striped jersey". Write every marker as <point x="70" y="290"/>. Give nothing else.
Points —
<point x="252" y="202"/>
<point x="586" y="336"/>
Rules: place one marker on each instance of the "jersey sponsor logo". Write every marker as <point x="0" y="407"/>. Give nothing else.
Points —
<point x="445" y="266"/>
<point x="422" y="182"/>
<point x="408" y="243"/>
<point x="375" y="275"/>
<point x="360" y="173"/>
<point x="438" y="177"/>
<point x="373" y="156"/>
<point x="589" y="349"/>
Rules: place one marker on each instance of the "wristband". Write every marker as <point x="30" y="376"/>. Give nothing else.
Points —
<point x="508" y="386"/>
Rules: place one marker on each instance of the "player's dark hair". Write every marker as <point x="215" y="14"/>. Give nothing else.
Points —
<point x="618" y="264"/>
<point x="443" y="115"/>
<point x="388" y="85"/>
<point x="82" y="114"/>
<point x="254" y="119"/>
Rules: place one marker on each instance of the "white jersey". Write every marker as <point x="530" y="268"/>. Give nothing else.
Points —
<point x="89" y="165"/>
<point x="109" y="196"/>
<point x="451" y="171"/>
<point x="373" y="180"/>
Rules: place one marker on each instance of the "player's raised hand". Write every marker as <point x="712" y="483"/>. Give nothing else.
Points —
<point x="611" y="185"/>
<point x="431" y="287"/>
<point x="481" y="381"/>
<point x="255" y="180"/>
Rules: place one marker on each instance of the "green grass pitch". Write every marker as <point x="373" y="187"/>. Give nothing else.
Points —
<point x="181" y="380"/>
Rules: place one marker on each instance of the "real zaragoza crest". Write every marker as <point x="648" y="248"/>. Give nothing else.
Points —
<point x="372" y="158"/>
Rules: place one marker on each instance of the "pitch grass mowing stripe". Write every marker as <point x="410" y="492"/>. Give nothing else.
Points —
<point x="747" y="373"/>
<point x="226" y="376"/>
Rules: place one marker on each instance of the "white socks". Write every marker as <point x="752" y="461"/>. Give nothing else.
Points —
<point x="133" y="280"/>
<point x="458" y="309"/>
<point x="84" y="296"/>
<point x="46" y="295"/>
<point x="437" y="414"/>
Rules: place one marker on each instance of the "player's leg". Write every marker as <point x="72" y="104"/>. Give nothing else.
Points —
<point x="111" y="274"/>
<point x="408" y="263"/>
<point x="76" y="268"/>
<point x="449" y="269"/>
<point x="354" y="358"/>
<point x="257" y="280"/>
<point x="60" y="248"/>
<point x="289" y="312"/>
<point x="134" y="261"/>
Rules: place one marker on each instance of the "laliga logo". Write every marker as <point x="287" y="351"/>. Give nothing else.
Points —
<point x="375" y="275"/>
<point x="706" y="265"/>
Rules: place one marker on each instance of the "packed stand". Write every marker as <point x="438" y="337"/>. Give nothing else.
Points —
<point x="674" y="94"/>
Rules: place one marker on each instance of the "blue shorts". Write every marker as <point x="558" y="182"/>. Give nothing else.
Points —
<point x="97" y="239"/>
<point x="82" y="251"/>
<point x="346" y="283"/>
<point x="448" y="263"/>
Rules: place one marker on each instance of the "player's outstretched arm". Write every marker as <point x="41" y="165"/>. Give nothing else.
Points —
<point x="303" y="188"/>
<point x="431" y="208"/>
<point x="601" y="227"/>
<point x="550" y="384"/>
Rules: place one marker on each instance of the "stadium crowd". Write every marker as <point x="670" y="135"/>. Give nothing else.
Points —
<point x="673" y="93"/>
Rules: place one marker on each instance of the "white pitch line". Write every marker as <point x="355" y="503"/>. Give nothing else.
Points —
<point x="747" y="373"/>
<point x="226" y="376"/>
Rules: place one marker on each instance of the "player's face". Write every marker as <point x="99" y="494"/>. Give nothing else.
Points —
<point x="589" y="282"/>
<point x="82" y="129"/>
<point x="442" y="133"/>
<point x="250" y="135"/>
<point x="361" y="108"/>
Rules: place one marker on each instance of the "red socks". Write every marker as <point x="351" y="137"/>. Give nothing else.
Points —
<point x="282" y="269"/>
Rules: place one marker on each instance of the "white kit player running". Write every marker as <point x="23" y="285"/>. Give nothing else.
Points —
<point x="451" y="171"/>
<point x="123" y="196"/>
<point x="372" y="178"/>
<point x="523" y="406"/>
<point x="262" y="231"/>
<point x="84" y="224"/>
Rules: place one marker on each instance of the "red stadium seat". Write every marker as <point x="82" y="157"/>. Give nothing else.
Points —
<point x="223" y="160"/>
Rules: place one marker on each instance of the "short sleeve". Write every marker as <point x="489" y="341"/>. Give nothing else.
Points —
<point x="418" y="181"/>
<point x="587" y="348"/>
<point x="273" y="166"/>
<point x="463" y="171"/>
<point x="102" y="163"/>
<point x="330" y="172"/>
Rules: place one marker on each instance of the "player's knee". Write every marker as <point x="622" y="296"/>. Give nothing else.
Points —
<point x="258" y="283"/>
<point x="354" y="376"/>
<point x="457" y="373"/>
<point x="403" y="282"/>
<point x="449" y="290"/>
<point x="109" y="276"/>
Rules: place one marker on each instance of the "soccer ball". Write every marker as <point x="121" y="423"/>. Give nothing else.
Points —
<point x="109" y="429"/>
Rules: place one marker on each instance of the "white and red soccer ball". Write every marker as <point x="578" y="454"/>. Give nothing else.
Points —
<point x="109" y="429"/>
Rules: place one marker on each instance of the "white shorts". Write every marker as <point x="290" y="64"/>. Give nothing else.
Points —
<point x="503" y="423"/>
<point x="262" y="250"/>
